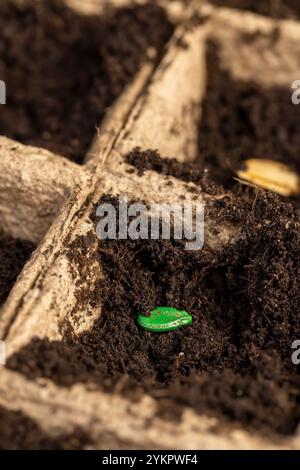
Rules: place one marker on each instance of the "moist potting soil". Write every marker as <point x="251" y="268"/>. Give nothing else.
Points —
<point x="19" y="432"/>
<point x="242" y="120"/>
<point x="13" y="255"/>
<point x="233" y="361"/>
<point x="64" y="70"/>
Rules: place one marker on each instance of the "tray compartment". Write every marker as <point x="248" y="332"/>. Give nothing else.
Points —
<point x="45" y="296"/>
<point x="58" y="104"/>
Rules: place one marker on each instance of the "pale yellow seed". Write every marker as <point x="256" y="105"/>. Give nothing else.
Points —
<point x="271" y="175"/>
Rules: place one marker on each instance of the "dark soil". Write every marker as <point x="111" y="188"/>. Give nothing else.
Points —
<point x="243" y="120"/>
<point x="233" y="361"/>
<point x="63" y="70"/>
<point x="151" y="160"/>
<point x="240" y="120"/>
<point x="21" y="433"/>
<point x="13" y="255"/>
<point x="192" y="172"/>
<point x="286" y="9"/>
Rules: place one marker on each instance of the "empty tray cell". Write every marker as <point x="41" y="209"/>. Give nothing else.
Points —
<point x="63" y="69"/>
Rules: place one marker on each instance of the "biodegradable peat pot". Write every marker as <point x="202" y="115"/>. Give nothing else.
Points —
<point x="163" y="114"/>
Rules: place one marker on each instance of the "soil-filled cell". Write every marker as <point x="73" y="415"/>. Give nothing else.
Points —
<point x="13" y="255"/>
<point x="64" y="70"/>
<point x="233" y="361"/>
<point x="18" y="432"/>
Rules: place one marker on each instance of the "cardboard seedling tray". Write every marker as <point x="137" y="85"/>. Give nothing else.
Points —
<point x="44" y="294"/>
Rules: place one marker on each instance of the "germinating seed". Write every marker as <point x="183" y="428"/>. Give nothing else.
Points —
<point x="271" y="175"/>
<point x="164" y="319"/>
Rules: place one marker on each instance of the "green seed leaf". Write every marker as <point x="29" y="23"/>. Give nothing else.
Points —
<point x="164" y="319"/>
